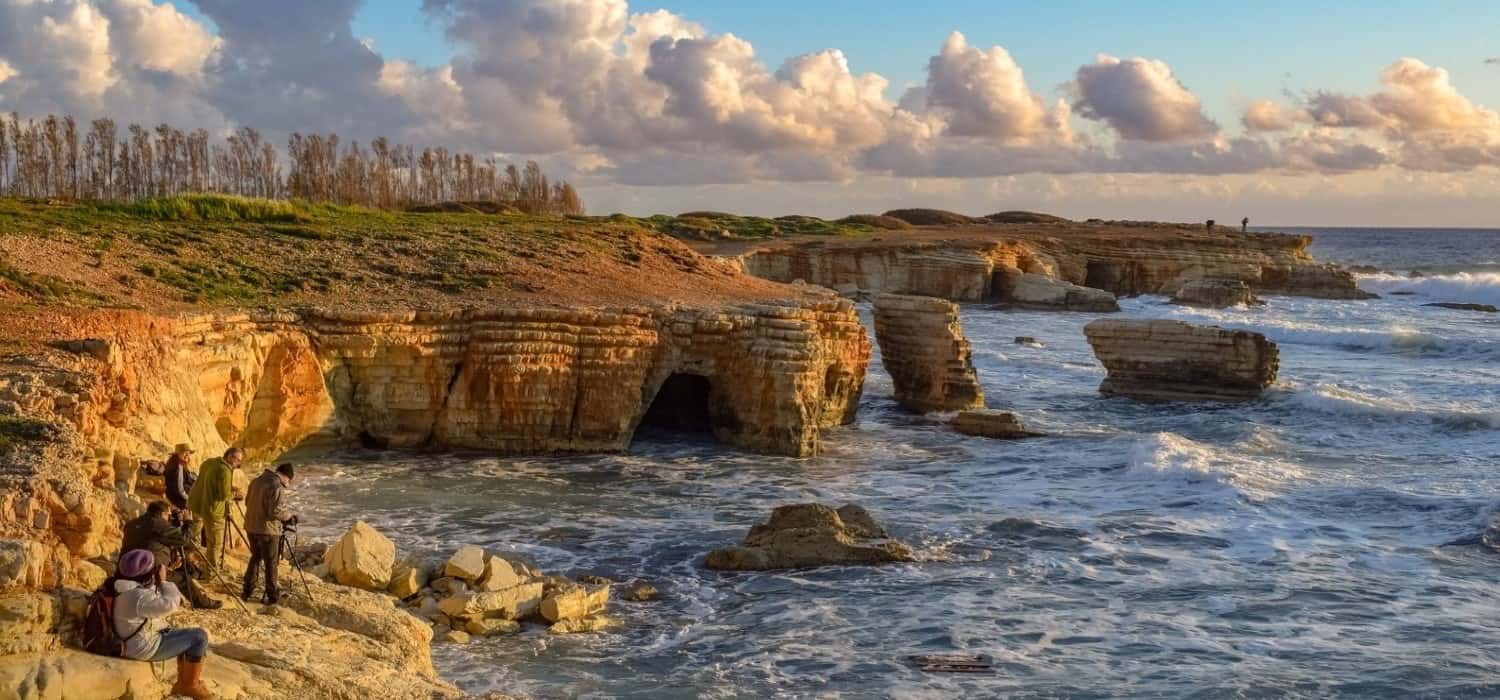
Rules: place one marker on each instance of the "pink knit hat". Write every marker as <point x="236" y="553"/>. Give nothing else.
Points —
<point x="136" y="563"/>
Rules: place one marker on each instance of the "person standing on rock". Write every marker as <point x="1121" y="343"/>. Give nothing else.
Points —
<point x="209" y="502"/>
<point x="265" y="515"/>
<point x="1245" y="225"/>
<point x="179" y="476"/>
<point x="144" y="597"/>
<point x="154" y="532"/>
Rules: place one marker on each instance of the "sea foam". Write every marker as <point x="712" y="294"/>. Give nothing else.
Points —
<point x="1334" y="399"/>
<point x="1463" y="287"/>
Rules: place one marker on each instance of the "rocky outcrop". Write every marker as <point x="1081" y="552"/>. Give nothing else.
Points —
<point x="809" y="535"/>
<point x="1172" y="360"/>
<point x="1028" y="290"/>
<point x="1456" y="306"/>
<point x="1215" y="294"/>
<point x="1000" y="425"/>
<point x="980" y="263"/>
<point x="923" y="348"/>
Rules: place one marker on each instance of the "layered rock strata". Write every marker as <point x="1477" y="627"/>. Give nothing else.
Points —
<point x="922" y="346"/>
<point x="1215" y="294"/>
<point x="982" y="264"/>
<point x="1000" y="425"/>
<point x="809" y="535"/>
<point x="1176" y="361"/>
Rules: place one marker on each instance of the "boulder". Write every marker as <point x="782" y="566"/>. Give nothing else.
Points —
<point x="1027" y="340"/>
<point x="1215" y="294"/>
<point x="456" y="637"/>
<point x="1486" y="308"/>
<point x="990" y="423"/>
<point x="484" y="627"/>
<point x="468" y="563"/>
<point x="575" y="602"/>
<point x="362" y="558"/>
<point x="510" y="604"/>
<point x="595" y="623"/>
<point x="1029" y="290"/>
<point x="408" y="578"/>
<point x="1174" y="361"/>
<point x="498" y="575"/>
<point x="923" y="348"/>
<point x="810" y="535"/>
<point x="641" y="592"/>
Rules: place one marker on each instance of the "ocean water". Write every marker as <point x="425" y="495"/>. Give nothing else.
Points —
<point x="1319" y="542"/>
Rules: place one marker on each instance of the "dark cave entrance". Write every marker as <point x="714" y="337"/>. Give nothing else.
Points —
<point x="680" y="406"/>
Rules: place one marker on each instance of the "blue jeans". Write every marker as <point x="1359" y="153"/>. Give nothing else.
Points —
<point x="191" y="642"/>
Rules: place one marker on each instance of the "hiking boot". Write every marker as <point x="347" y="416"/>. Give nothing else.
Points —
<point x="190" y="680"/>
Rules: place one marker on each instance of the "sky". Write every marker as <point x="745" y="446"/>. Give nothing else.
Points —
<point x="1292" y="113"/>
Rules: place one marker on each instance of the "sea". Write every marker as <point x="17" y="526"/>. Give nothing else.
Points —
<point x="1324" y="541"/>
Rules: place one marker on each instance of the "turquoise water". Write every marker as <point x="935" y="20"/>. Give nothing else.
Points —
<point x="1318" y="542"/>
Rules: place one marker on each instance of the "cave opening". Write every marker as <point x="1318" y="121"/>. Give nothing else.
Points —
<point x="680" y="406"/>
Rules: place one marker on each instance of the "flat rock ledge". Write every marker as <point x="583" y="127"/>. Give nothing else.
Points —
<point x="1161" y="360"/>
<point x="1000" y="425"/>
<point x="809" y="535"/>
<point x="1215" y="294"/>
<point x="922" y="346"/>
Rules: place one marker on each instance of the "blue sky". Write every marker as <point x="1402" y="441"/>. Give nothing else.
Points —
<point x="1228" y="55"/>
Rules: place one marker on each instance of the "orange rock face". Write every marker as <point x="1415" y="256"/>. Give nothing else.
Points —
<point x="923" y="348"/>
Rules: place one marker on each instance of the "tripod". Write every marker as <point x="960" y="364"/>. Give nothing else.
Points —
<point x="284" y="549"/>
<point x="218" y="576"/>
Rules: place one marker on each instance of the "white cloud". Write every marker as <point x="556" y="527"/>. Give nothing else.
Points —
<point x="1265" y="115"/>
<point x="981" y="94"/>
<point x="1140" y="99"/>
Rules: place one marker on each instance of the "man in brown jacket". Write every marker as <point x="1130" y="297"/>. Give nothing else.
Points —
<point x="265" y="515"/>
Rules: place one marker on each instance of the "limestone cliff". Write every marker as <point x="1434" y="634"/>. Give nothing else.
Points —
<point x="986" y="263"/>
<point x="1172" y="360"/>
<point x="923" y="348"/>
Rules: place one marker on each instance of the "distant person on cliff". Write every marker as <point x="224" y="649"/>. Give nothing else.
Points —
<point x="179" y="476"/>
<point x="144" y="597"/>
<point x="1209" y="226"/>
<point x="209" y="502"/>
<point x="1245" y="225"/>
<point x="154" y="532"/>
<point x="265" y="515"/>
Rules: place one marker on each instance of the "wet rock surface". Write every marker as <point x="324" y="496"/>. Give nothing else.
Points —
<point x="809" y="535"/>
<point x="1175" y="361"/>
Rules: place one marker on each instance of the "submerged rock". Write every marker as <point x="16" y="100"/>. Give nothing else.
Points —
<point x="809" y="535"/>
<point x="1176" y="361"/>
<point x="1486" y="308"/>
<point x="642" y="592"/>
<point x="991" y="424"/>
<point x="1215" y="294"/>
<point x="362" y="558"/>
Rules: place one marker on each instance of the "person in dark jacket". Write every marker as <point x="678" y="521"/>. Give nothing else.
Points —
<point x="180" y="476"/>
<point x="155" y="533"/>
<point x="265" y="515"/>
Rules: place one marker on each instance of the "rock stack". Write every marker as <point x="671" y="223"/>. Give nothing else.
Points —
<point x="923" y="348"/>
<point x="810" y="535"/>
<point x="1215" y="294"/>
<point x="1175" y="361"/>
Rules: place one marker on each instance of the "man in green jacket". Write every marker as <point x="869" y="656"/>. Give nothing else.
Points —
<point x="209" y="501"/>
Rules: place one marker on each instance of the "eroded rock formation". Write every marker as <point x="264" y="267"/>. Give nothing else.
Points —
<point x="809" y="535"/>
<point x="1172" y="360"/>
<point x="1001" y="425"/>
<point x="923" y="348"/>
<point x="981" y="263"/>
<point x="1215" y="294"/>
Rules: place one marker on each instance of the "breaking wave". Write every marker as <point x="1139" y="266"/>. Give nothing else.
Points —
<point x="1463" y="287"/>
<point x="1334" y="399"/>
<point x="1173" y="457"/>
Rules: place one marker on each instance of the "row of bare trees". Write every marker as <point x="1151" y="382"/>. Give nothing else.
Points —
<point x="52" y="157"/>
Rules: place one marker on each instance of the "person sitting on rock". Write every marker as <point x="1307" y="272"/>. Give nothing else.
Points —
<point x="209" y="502"/>
<point x="154" y="531"/>
<point x="179" y="476"/>
<point x="145" y="597"/>
<point x="265" y="515"/>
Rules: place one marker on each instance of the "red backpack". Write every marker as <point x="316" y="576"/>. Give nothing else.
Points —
<point x="98" y="635"/>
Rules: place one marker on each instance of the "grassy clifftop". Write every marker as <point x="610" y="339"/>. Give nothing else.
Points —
<point x="206" y="251"/>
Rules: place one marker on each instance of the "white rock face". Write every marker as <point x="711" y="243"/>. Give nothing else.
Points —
<point x="362" y="558"/>
<point x="1035" y="291"/>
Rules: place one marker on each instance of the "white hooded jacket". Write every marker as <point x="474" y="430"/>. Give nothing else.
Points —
<point x="137" y="604"/>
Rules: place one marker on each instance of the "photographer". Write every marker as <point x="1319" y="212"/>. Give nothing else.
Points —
<point x="265" y="513"/>
<point x="153" y="531"/>
<point x="144" y="598"/>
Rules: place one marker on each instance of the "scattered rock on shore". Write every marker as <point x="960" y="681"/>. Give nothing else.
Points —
<point x="362" y="558"/>
<point x="991" y="424"/>
<point x="809" y="535"/>
<point x="575" y="602"/>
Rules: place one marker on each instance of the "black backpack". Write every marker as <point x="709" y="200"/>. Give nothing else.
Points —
<point x="98" y="635"/>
